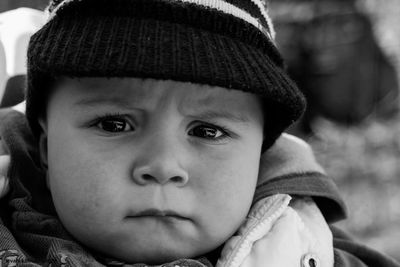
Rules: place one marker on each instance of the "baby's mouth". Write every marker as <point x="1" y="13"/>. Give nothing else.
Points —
<point x="158" y="214"/>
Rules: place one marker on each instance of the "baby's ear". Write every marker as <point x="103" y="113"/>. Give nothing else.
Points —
<point x="43" y="145"/>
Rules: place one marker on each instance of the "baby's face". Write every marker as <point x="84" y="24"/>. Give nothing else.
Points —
<point x="151" y="171"/>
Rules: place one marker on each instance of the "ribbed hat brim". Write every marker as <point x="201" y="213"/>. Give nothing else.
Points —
<point x="147" y="48"/>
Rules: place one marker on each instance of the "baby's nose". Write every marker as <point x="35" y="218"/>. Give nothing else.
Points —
<point x="161" y="157"/>
<point x="160" y="173"/>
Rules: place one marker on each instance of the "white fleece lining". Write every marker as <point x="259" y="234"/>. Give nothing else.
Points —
<point x="258" y="223"/>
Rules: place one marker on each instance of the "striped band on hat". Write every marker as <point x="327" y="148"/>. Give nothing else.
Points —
<point x="251" y="11"/>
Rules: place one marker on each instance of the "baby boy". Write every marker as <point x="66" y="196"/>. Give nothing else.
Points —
<point x="149" y="118"/>
<point x="168" y="160"/>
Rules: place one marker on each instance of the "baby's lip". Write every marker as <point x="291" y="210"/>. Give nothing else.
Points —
<point x="158" y="213"/>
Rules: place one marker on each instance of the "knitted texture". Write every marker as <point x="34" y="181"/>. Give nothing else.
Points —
<point x="211" y="42"/>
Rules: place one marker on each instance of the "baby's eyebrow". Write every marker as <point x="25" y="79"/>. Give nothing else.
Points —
<point x="104" y="100"/>
<point x="222" y="114"/>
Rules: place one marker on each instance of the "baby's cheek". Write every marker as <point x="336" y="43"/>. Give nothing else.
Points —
<point x="85" y="211"/>
<point x="79" y="191"/>
<point x="227" y="202"/>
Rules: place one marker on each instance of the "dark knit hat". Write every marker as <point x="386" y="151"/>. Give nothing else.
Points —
<point x="226" y="43"/>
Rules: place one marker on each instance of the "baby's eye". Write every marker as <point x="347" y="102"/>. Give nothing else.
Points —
<point x="207" y="132"/>
<point x="114" y="125"/>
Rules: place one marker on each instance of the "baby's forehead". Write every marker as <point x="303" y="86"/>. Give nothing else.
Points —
<point x="151" y="93"/>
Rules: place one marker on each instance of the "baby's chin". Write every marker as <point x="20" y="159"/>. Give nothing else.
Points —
<point x="160" y="255"/>
<point x="153" y="249"/>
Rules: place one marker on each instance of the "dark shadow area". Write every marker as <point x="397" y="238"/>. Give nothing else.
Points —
<point x="14" y="91"/>
<point x="333" y="54"/>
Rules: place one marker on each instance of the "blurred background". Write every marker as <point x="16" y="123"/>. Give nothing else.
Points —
<point x="345" y="56"/>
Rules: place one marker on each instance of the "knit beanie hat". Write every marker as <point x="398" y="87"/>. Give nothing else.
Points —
<point x="226" y="43"/>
